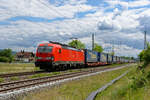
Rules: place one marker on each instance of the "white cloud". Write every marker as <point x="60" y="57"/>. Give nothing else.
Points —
<point x="125" y="5"/>
<point x="138" y="3"/>
<point x="109" y="24"/>
<point x="39" y="8"/>
<point x="74" y="2"/>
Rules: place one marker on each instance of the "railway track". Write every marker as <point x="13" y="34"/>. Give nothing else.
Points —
<point x="17" y="85"/>
<point x="20" y="74"/>
<point x="8" y="75"/>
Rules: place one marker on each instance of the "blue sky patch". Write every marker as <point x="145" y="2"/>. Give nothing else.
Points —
<point x="57" y="2"/>
<point x="5" y="23"/>
<point x="139" y="7"/>
<point x="94" y="2"/>
<point x="109" y="10"/>
<point x="35" y="19"/>
<point x="83" y="14"/>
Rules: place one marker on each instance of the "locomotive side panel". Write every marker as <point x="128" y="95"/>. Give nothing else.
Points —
<point x="71" y="56"/>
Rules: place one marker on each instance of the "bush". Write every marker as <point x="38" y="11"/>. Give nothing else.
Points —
<point x="121" y="92"/>
<point x="139" y="82"/>
<point x="148" y="75"/>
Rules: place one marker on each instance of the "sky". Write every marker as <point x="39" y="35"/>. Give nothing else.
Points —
<point x="115" y="23"/>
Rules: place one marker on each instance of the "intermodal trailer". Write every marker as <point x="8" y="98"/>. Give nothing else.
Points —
<point x="109" y="59"/>
<point x="103" y="58"/>
<point x="114" y="59"/>
<point x="92" y="58"/>
<point x="121" y="59"/>
<point x="118" y="60"/>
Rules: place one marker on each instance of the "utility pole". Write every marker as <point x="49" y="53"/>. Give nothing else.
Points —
<point x="119" y="47"/>
<point x="92" y="41"/>
<point x="113" y="51"/>
<point x="145" y="45"/>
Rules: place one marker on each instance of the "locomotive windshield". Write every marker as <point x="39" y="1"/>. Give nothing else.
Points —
<point x="45" y="49"/>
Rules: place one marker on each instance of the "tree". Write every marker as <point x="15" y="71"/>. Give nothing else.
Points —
<point x="6" y="55"/>
<point x="98" y="48"/>
<point x="112" y="53"/>
<point x="145" y="55"/>
<point x="77" y="44"/>
<point x="141" y="55"/>
<point x="132" y="57"/>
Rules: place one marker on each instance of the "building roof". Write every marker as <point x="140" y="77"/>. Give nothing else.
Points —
<point x="24" y="54"/>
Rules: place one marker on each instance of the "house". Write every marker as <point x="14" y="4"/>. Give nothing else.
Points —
<point x="25" y="56"/>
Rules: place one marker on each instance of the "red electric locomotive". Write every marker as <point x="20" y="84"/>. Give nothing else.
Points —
<point x="55" y="55"/>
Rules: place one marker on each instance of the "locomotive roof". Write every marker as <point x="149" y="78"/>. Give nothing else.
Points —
<point x="59" y="45"/>
<point x="65" y="46"/>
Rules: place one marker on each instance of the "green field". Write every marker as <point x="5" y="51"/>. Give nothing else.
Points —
<point x="17" y="67"/>
<point x="77" y="89"/>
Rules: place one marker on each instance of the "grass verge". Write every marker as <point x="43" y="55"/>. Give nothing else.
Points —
<point x="44" y="75"/>
<point x="17" y="67"/>
<point x="77" y="89"/>
<point x="1" y="80"/>
<point x="14" y="78"/>
<point x="134" y="86"/>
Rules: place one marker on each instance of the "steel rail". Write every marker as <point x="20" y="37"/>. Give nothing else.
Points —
<point x="20" y="74"/>
<point x="10" y="86"/>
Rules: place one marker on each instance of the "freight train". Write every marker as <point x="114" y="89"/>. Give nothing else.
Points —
<point x="54" y="55"/>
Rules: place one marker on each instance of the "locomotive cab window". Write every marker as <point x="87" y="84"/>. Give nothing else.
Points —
<point x="59" y="50"/>
<point x="45" y="49"/>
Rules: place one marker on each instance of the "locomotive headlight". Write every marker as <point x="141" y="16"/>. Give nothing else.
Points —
<point x="38" y="57"/>
<point x="48" y="58"/>
<point x="52" y="58"/>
